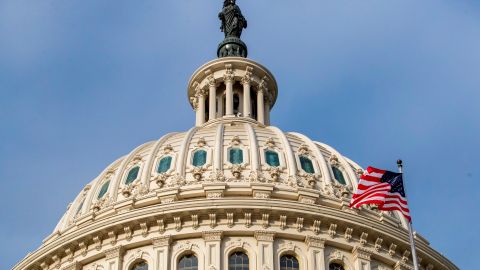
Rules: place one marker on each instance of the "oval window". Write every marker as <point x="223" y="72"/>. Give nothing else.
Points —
<point x="337" y="173"/>
<point x="132" y="175"/>
<point x="103" y="189"/>
<point x="306" y="164"/>
<point x="199" y="158"/>
<point x="236" y="156"/>
<point x="271" y="157"/>
<point x="164" y="164"/>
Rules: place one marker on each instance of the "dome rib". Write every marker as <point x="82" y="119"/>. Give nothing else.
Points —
<point x="252" y="138"/>
<point x="351" y="174"/>
<point x="217" y="160"/>
<point x="181" y="162"/>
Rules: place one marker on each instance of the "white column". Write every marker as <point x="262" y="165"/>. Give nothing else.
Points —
<point x="114" y="258"/>
<point x="212" y="249"/>
<point x="161" y="248"/>
<point x="212" y="98"/>
<point x="267" y="111"/>
<point x="265" y="249"/>
<point x="361" y="258"/>
<point x="247" y="102"/>
<point x="201" y="109"/>
<point x="316" y="253"/>
<point x="228" y="79"/>
<point x="260" y="106"/>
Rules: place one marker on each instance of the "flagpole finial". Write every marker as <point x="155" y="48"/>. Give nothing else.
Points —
<point x="399" y="162"/>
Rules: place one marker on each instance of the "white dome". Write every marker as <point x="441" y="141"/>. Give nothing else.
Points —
<point x="216" y="139"/>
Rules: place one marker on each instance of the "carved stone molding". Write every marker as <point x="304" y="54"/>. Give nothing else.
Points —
<point x="73" y="266"/>
<point x="264" y="236"/>
<point x="316" y="242"/>
<point x="332" y="230"/>
<point x="162" y="241"/>
<point x="363" y="238"/>
<point x="299" y="224"/>
<point x="361" y="253"/>
<point x="348" y="234"/>
<point x="248" y="219"/>
<point x="391" y="250"/>
<point x="195" y="221"/>
<point x="113" y="253"/>
<point x="212" y="235"/>
<point x="230" y="220"/>
<point x="265" y="220"/>
<point x="316" y="226"/>
<point x="402" y="266"/>
<point x="378" y="244"/>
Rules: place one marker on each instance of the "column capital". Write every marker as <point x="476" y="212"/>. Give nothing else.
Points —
<point x="212" y="235"/>
<point x="314" y="241"/>
<point x="229" y="75"/>
<point x="162" y="241"/>
<point x="361" y="253"/>
<point x="211" y="81"/>
<point x="264" y="236"/>
<point x="199" y="91"/>
<point x="113" y="253"/>
<point x="247" y="79"/>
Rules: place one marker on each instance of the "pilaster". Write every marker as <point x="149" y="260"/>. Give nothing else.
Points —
<point x="212" y="245"/>
<point x="316" y="252"/>
<point x="114" y="258"/>
<point x="361" y="258"/>
<point x="265" y="249"/>
<point x="161" y="249"/>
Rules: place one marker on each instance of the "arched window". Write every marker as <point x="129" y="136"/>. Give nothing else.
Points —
<point x="164" y="164"/>
<point x="140" y="266"/>
<point x="289" y="262"/>
<point x="199" y="158"/>
<point x="306" y="164"/>
<point x="335" y="266"/>
<point x="103" y="190"/>
<point x="236" y="104"/>
<point x="337" y="173"/>
<point x="272" y="159"/>
<point x="132" y="175"/>
<point x="236" y="156"/>
<point x="188" y="262"/>
<point x="238" y="261"/>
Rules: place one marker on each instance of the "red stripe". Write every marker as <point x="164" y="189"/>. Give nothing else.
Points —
<point x="397" y="196"/>
<point x="370" y="178"/>
<point x="372" y="169"/>
<point x="371" y="195"/>
<point x="384" y="186"/>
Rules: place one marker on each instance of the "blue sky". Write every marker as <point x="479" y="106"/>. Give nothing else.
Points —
<point x="84" y="82"/>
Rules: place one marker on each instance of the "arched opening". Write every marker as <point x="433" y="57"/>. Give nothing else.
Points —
<point x="188" y="262"/>
<point x="289" y="262"/>
<point x="141" y="265"/>
<point x="238" y="261"/>
<point x="335" y="266"/>
<point x="164" y="164"/>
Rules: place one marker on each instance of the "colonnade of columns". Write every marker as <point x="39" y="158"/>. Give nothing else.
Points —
<point x="227" y="109"/>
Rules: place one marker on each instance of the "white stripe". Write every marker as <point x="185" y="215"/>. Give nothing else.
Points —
<point x="374" y="174"/>
<point x="367" y="183"/>
<point x="379" y="187"/>
<point x="391" y="200"/>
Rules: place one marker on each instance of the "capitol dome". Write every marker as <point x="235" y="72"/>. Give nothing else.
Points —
<point x="233" y="192"/>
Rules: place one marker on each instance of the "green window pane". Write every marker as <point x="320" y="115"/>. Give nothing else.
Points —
<point x="199" y="158"/>
<point x="272" y="158"/>
<point x="337" y="173"/>
<point x="103" y="190"/>
<point x="236" y="156"/>
<point x="132" y="175"/>
<point x="306" y="164"/>
<point x="164" y="164"/>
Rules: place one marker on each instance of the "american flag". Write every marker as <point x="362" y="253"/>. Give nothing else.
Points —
<point x="383" y="188"/>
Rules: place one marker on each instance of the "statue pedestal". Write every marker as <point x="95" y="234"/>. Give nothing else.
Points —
<point x="232" y="46"/>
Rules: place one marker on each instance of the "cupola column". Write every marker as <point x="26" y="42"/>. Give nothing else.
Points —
<point x="247" y="104"/>
<point x="267" y="111"/>
<point x="228" y="79"/>
<point x="199" y="104"/>
<point x="260" y="107"/>
<point x="212" y="98"/>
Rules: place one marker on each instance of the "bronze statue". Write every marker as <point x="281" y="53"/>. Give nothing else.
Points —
<point x="232" y="19"/>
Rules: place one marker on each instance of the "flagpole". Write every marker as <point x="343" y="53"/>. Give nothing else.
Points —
<point x="410" y="229"/>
